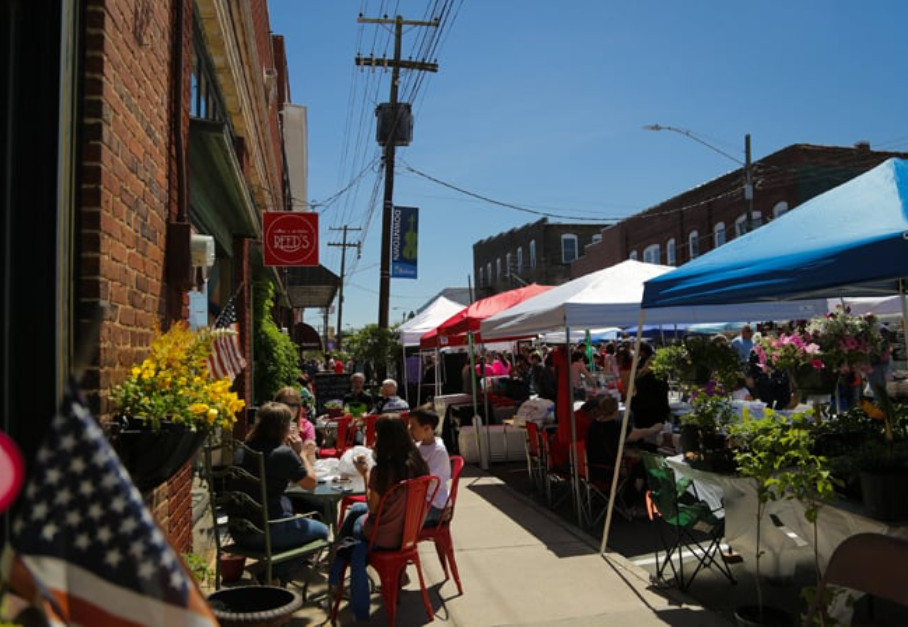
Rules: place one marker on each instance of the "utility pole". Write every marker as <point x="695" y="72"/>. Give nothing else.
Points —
<point x="748" y="184"/>
<point x="338" y="334"/>
<point x="384" y="289"/>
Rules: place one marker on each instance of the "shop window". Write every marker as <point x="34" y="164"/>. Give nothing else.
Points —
<point x="693" y="244"/>
<point x="671" y="254"/>
<point x="651" y="254"/>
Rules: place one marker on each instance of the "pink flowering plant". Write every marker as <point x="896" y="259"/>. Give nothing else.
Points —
<point x="788" y="352"/>
<point x="840" y="342"/>
<point x="848" y="342"/>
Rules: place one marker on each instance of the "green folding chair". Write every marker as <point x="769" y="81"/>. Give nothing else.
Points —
<point x="685" y="525"/>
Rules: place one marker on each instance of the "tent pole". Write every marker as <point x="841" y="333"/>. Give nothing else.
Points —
<point x="403" y="350"/>
<point x="904" y="309"/>
<point x="477" y="421"/>
<point x="438" y="374"/>
<point x="575" y="467"/>
<point x="624" y="421"/>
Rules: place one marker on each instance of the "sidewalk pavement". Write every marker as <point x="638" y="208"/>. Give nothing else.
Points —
<point x="522" y="565"/>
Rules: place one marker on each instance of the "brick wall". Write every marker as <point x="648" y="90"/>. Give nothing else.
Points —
<point x="128" y="195"/>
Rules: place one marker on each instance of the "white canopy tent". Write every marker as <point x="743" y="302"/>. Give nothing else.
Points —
<point x="429" y="318"/>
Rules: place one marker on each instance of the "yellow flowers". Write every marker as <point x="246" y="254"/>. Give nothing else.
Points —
<point x="173" y="383"/>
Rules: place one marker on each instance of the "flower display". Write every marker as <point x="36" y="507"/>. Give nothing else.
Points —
<point x="173" y="383"/>
<point x="848" y="342"/>
<point x="788" y="352"/>
<point x="839" y="342"/>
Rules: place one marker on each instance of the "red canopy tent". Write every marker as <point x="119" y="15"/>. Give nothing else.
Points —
<point x="454" y="330"/>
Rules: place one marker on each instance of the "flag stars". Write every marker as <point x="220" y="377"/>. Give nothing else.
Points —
<point x="73" y="519"/>
<point x="39" y="511"/>
<point x="77" y="465"/>
<point x="53" y="476"/>
<point x="68" y="442"/>
<point x="82" y="542"/>
<point x="147" y="570"/>
<point x="137" y="548"/>
<point x="113" y="557"/>
<point x="104" y="534"/>
<point x="128" y="525"/>
<point x="95" y="511"/>
<point x="109" y="480"/>
<point x="63" y="497"/>
<point x="118" y="504"/>
<point x="86" y="487"/>
<point x="176" y="579"/>
<point x="49" y="531"/>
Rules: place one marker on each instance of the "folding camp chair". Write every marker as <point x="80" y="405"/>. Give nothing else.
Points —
<point x="536" y="466"/>
<point x="685" y="525"/>
<point x="595" y="490"/>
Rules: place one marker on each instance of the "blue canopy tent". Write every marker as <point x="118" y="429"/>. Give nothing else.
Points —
<point x="850" y="241"/>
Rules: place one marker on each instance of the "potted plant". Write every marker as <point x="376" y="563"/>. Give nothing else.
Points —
<point x="335" y="408"/>
<point x="883" y="460"/>
<point x="168" y="405"/>
<point x="695" y="360"/>
<point x="761" y="455"/>
<point x="703" y="431"/>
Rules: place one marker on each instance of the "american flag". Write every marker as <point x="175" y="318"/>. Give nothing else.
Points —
<point x="226" y="359"/>
<point x="85" y="544"/>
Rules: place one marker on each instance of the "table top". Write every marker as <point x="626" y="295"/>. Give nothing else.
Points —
<point x="329" y="490"/>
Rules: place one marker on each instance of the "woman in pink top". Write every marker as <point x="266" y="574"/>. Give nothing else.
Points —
<point x="290" y="396"/>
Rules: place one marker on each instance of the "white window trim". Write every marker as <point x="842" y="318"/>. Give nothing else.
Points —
<point x="652" y="254"/>
<point x="570" y="237"/>
<point x="719" y="228"/>
<point x="671" y="253"/>
<point x="693" y="240"/>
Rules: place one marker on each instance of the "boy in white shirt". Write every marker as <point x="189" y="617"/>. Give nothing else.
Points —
<point x="423" y="423"/>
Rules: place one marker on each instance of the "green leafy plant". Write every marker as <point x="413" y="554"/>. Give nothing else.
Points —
<point x="709" y="412"/>
<point x="276" y="356"/>
<point x="377" y="347"/>
<point x="697" y="359"/>
<point x="198" y="567"/>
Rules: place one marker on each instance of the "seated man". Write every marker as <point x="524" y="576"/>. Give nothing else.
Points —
<point x="390" y="402"/>
<point x="358" y="395"/>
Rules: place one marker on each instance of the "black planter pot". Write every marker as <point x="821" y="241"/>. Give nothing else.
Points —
<point x="750" y="616"/>
<point x="812" y="382"/>
<point x="884" y="494"/>
<point x="153" y="457"/>
<point x="258" y="606"/>
<point x="690" y="439"/>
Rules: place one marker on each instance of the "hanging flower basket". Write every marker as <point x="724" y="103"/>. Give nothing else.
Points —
<point x="152" y="456"/>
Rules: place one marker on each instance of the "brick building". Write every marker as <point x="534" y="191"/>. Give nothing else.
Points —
<point x="139" y="128"/>
<point x="696" y="221"/>
<point x="534" y="253"/>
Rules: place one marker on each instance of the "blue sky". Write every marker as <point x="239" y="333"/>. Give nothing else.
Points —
<point x="541" y="104"/>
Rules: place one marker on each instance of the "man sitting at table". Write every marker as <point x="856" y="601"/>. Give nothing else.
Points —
<point x="423" y="423"/>
<point x="358" y="395"/>
<point x="390" y="402"/>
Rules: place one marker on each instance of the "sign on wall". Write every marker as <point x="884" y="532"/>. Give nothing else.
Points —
<point x="290" y="238"/>
<point x="404" y="238"/>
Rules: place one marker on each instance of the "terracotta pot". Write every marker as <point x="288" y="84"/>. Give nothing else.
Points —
<point x="232" y="568"/>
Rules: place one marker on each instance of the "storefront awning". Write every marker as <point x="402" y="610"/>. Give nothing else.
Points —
<point x="314" y="286"/>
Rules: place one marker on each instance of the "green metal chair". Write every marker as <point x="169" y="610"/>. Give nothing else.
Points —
<point x="243" y="497"/>
<point x="686" y="526"/>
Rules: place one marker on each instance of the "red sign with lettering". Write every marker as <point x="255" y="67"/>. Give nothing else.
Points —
<point x="291" y="238"/>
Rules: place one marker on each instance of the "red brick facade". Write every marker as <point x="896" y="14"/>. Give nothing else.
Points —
<point x="791" y="176"/>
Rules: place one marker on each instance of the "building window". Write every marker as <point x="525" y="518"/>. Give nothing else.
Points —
<point x="205" y="102"/>
<point x="480" y="277"/>
<point x="633" y="255"/>
<point x="651" y="254"/>
<point x="507" y="261"/>
<point x="532" y="253"/>
<point x="597" y="237"/>
<point x="741" y="223"/>
<point x="780" y="209"/>
<point x="693" y="244"/>
<point x="498" y="269"/>
<point x="568" y="248"/>
<point x="671" y="255"/>
<point x="719" y="234"/>
<point x="519" y="259"/>
<point x="489" y="274"/>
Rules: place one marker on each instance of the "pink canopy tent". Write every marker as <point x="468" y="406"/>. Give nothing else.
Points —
<point x="454" y="330"/>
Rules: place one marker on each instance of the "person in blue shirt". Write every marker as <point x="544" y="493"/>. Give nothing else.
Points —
<point x="743" y="344"/>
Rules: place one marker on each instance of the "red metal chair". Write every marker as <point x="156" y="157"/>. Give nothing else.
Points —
<point x="369" y="429"/>
<point x="440" y="534"/>
<point x="343" y="441"/>
<point x="391" y="563"/>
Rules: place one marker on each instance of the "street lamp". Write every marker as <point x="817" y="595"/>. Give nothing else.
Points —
<point x="748" y="167"/>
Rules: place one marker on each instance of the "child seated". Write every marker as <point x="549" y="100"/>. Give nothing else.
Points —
<point x="423" y="423"/>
